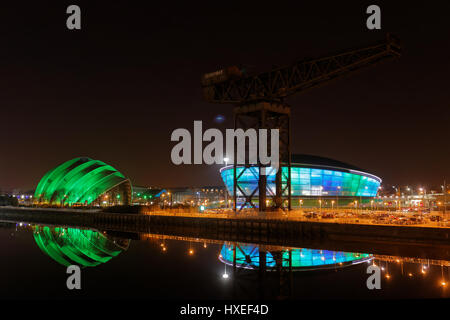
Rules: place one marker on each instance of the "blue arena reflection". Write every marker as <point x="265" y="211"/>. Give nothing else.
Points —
<point x="248" y="256"/>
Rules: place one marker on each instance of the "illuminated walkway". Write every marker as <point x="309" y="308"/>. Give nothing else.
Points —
<point x="352" y="216"/>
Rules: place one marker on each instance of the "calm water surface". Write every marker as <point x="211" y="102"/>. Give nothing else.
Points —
<point x="34" y="263"/>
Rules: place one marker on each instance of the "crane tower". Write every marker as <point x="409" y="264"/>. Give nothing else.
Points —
<point x="260" y="104"/>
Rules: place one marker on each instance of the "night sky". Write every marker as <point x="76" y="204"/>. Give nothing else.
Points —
<point x="116" y="89"/>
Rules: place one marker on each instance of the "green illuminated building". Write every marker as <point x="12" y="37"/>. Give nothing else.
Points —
<point x="83" y="182"/>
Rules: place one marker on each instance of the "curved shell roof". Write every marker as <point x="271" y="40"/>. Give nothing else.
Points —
<point x="80" y="180"/>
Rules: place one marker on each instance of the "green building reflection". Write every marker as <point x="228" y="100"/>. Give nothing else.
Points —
<point x="72" y="246"/>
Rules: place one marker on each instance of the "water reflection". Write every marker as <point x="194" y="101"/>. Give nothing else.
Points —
<point x="218" y="269"/>
<point x="86" y="248"/>
<point x="251" y="257"/>
<point x="267" y="271"/>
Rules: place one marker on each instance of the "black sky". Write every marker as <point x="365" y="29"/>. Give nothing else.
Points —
<point x="116" y="89"/>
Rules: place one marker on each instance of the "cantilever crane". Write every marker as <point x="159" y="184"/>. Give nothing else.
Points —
<point x="259" y="100"/>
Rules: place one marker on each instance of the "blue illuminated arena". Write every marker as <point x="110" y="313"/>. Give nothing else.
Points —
<point x="311" y="176"/>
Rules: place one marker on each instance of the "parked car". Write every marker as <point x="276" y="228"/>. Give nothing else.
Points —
<point x="310" y="215"/>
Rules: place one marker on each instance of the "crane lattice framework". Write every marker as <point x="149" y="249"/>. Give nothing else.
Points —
<point x="259" y="101"/>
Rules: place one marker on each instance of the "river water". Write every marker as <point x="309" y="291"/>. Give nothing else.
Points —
<point x="34" y="262"/>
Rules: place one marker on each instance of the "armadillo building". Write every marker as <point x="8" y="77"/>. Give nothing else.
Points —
<point x="83" y="182"/>
<point x="312" y="177"/>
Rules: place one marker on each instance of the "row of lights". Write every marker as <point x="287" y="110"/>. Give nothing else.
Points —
<point x="191" y="252"/>
<point x="423" y="271"/>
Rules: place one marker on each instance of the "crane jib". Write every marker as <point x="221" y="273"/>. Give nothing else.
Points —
<point x="230" y="86"/>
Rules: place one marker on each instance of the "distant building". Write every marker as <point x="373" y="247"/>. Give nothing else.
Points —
<point x="206" y="195"/>
<point x="432" y="201"/>
<point x="147" y="195"/>
<point x="6" y="200"/>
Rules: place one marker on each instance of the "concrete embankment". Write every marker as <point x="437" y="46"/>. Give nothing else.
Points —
<point x="61" y="217"/>
<point x="414" y="241"/>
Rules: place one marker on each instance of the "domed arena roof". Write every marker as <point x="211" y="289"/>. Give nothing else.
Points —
<point x="313" y="160"/>
<point x="79" y="181"/>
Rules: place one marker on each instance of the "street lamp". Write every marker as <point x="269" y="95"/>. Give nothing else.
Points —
<point x="423" y="191"/>
<point x="337" y="195"/>
<point x="398" y="195"/>
<point x="360" y="197"/>
<point x="170" y="199"/>
<point x="444" y="193"/>
<point x="320" y="201"/>
<point x="226" y="189"/>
